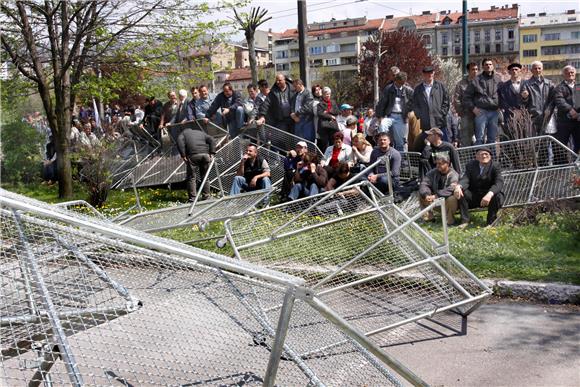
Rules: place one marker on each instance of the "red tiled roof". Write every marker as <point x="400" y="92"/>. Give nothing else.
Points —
<point x="240" y="75"/>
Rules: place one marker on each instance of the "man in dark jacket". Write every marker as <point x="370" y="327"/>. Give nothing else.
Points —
<point x="440" y="183"/>
<point x="482" y="99"/>
<point x="309" y="179"/>
<point x="537" y="96"/>
<point x="152" y="118"/>
<point x="567" y="100"/>
<point x="394" y="104"/>
<point x="276" y="108"/>
<point x="510" y="97"/>
<point x="430" y="104"/>
<point x="437" y="147"/>
<point x="228" y="109"/>
<point x="253" y="172"/>
<point x="196" y="149"/>
<point x="301" y="107"/>
<point x="480" y="186"/>
<point x="467" y="124"/>
<point x="378" y="176"/>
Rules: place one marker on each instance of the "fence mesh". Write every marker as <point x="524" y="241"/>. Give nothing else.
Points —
<point x="86" y="302"/>
<point x="276" y="139"/>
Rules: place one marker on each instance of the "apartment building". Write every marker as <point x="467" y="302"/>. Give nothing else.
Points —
<point x="553" y="39"/>
<point x="242" y="56"/>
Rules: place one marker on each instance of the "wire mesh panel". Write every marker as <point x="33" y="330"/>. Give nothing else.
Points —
<point x="276" y="139"/>
<point x="86" y="302"/>
<point x="376" y="267"/>
<point x="410" y="166"/>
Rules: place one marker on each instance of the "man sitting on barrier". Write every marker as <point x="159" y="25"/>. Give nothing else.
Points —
<point x="293" y="157"/>
<point x="480" y="186"/>
<point x="228" y="110"/>
<point x="253" y="172"/>
<point x="440" y="183"/>
<point x="378" y="175"/>
<point x="196" y="149"/>
<point x="309" y="179"/>
<point x="437" y="147"/>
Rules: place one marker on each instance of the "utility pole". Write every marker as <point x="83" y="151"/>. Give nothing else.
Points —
<point x="465" y="38"/>
<point x="302" y="35"/>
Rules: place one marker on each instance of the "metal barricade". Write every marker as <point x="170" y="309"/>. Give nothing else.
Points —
<point x="87" y="302"/>
<point x="276" y="139"/>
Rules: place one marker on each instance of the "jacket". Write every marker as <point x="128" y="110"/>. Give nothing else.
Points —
<point x="434" y="183"/>
<point x="320" y="176"/>
<point x="432" y="113"/>
<point x="508" y="97"/>
<point x="344" y="154"/>
<point x="385" y="105"/>
<point x="540" y="99"/>
<point x="482" y="92"/>
<point x="192" y="142"/>
<point x="431" y="152"/>
<point x="221" y="101"/>
<point x="564" y="101"/>
<point x="324" y="115"/>
<point x="490" y="180"/>
<point x="458" y="98"/>
<point x="182" y="112"/>
<point x="271" y="107"/>
<point x="305" y="108"/>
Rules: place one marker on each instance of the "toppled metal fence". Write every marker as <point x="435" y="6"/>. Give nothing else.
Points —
<point x="87" y="302"/>
<point x="276" y="139"/>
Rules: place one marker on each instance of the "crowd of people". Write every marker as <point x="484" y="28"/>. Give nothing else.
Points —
<point x="426" y="118"/>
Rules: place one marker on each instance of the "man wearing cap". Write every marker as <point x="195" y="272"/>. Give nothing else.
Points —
<point x="437" y="147"/>
<point x="510" y="97"/>
<point x="467" y="123"/>
<point x="481" y="97"/>
<point x="302" y="113"/>
<point x="345" y="111"/>
<point x="430" y="104"/>
<point x="293" y="157"/>
<point x="276" y="108"/>
<point x="480" y="186"/>
<point x="537" y="95"/>
<point x="440" y="183"/>
<point x="394" y="104"/>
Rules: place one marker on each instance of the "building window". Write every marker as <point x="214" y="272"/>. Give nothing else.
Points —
<point x="457" y="38"/>
<point x="530" y="38"/>
<point x="444" y="38"/>
<point x="333" y="62"/>
<point x="511" y="46"/>
<point x="554" y="36"/>
<point x="498" y="47"/>
<point x="444" y="51"/>
<point x="281" y="54"/>
<point x="457" y="50"/>
<point x="497" y="34"/>
<point x="426" y="39"/>
<point x="477" y="49"/>
<point x="351" y="47"/>
<point x="315" y="50"/>
<point x="575" y="63"/>
<point x="487" y="35"/>
<point x="552" y="50"/>
<point x="575" y="35"/>
<point x="511" y="34"/>
<point x="530" y="53"/>
<point x="477" y="36"/>
<point x="333" y="48"/>
<point x="487" y="48"/>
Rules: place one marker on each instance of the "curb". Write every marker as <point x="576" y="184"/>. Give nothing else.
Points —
<point x="549" y="293"/>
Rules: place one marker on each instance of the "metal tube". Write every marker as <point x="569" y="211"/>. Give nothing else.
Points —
<point x="203" y="182"/>
<point x="360" y="338"/>
<point x="455" y="284"/>
<point x="66" y="314"/>
<point x="152" y="242"/>
<point x="469" y="274"/>
<point x="49" y="357"/>
<point x="279" y="338"/>
<point x="57" y="329"/>
<point x="444" y="222"/>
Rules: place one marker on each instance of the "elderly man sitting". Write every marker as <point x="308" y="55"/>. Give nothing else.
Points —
<point x="480" y="186"/>
<point x="440" y="183"/>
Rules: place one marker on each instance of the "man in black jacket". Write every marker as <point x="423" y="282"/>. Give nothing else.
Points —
<point x="430" y="104"/>
<point x="302" y="114"/>
<point x="480" y="186"/>
<point x="152" y="118"/>
<point x="276" y="108"/>
<point x="394" y="104"/>
<point x="537" y="96"/>
<point x="510" y="97"/>
<point x="482" y="99"/>
<point x="567" y="100"/>
<point x="196" y="149"/>
<point x="437" y="147"/>
<point x="228" y="109"/>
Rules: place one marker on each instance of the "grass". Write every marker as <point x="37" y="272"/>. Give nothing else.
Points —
<point x="546" y="250"/>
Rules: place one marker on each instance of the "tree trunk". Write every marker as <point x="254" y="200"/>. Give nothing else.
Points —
<point x="252" y="55"/>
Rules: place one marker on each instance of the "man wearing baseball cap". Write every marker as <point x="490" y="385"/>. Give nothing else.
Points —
<point x="345" y="111"/>
<point x="437" y="147"/>
<point x="480" y="186"/>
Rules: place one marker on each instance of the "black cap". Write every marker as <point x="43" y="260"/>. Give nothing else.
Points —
<point x="428" y="69"/>
<point x="511" y="66"/>
<point x="484" y="149"/>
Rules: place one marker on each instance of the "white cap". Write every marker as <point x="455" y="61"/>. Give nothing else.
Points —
<point x="302" y="144"/>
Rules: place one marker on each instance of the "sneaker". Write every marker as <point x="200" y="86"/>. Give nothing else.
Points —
<point x="463" y="225"/>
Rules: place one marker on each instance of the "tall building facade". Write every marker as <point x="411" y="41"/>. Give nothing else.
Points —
<point x="553" y="39"/>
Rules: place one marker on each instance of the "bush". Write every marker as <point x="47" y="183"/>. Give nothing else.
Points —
<point x="96" y="173"/>
<point x="21" y="156"/>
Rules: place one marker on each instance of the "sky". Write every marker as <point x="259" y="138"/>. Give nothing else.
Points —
<point x="284" y="13"/>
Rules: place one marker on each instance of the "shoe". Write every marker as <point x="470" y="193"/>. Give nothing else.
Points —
<point x="191" y="200"/>
<point x="463" y="225"/>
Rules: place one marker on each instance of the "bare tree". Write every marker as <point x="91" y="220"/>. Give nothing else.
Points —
<point x="249" y="23"/>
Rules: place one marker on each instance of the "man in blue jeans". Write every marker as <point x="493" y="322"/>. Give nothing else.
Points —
<point x="253" y="172"/>
<point x="481" y="97"/>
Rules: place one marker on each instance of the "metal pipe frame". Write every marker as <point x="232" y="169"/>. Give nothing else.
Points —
<point x="146" y="240"/>
<point x="360" y="338"/>
<point x="84" y="203"/>
<point x="58" y="331"/>
<point x="49" y="357"/>
<point x="80" y="313"/>
<point x="131" y="170"/>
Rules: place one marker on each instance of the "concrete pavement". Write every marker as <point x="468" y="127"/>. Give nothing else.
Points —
<point x="504" y="343"/>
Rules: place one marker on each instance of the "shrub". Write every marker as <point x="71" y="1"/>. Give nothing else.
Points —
<point x="21" y="156"/>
